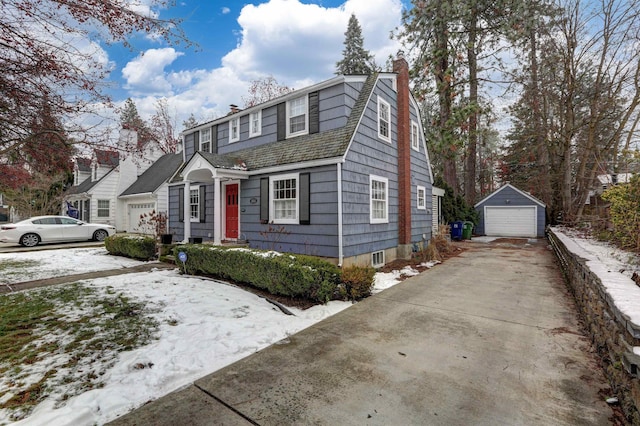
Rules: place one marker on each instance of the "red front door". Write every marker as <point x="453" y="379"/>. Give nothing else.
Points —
<point x="231" y="208"/>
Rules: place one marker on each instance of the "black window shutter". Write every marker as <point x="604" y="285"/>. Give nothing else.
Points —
<point x="305" y="198"/>
<point x="281" y="113"/>
<point x="188" y="140"/>
<point x="181" y="205"/>
<point x="314" y="112"/>
<point x="214" y="139"/>
<point x="264" y="200"/>
<point x="196" y="139"/>
<point x="203" y="206"/>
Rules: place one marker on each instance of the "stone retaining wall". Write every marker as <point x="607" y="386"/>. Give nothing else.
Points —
<point x="613" y="333"/>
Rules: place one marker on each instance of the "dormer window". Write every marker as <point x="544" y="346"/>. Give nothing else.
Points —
<point x="255" y="124"/>
<point x="205" y="140"/>
<point x="234" y="130"/>
<point x="297" y="117"/>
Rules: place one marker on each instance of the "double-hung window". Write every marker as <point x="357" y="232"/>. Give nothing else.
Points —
<point x="297" y="116"/>
<point x="421" y="198"/>
<point x="384" y="120"/>
<point x="194" y="204"/>
<point x="284" y="199"/>
<point x="205" y="140"/>
<point x="379" y="199"/>
<point x="255" y="124"/>
<point x="234" y="130"/>
<point x="103" y="208"/>
<point x="415" y="138"/>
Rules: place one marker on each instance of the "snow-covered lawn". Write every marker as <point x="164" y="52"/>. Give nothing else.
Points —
<point x="204" y="325"/>
<point x="36" y="265"/>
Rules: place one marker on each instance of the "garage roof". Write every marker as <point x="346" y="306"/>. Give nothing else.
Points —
<point x="508" y="185"/>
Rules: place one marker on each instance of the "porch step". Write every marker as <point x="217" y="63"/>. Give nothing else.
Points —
<point x="234" y="243"/>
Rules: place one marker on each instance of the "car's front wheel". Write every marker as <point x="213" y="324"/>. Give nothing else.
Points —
<point x="30" y="240"/>
<point x="100" y="235"/>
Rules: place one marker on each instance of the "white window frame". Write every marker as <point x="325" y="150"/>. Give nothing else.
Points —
<point x="255" y="118"/>
<point x="101" y="209"/>
<point x="272" y="198"/>
<point x="377" y="254"/>
<point x="385" y="181"/>
<point x="421" y="201"/>
<point x="415" y="136"/>
<point x="206" y="141"/>
<point x="196" y="190"/>
<point x="234" y="130"/>
<point x="381" y="119"/>
<point x="304" y="131"/>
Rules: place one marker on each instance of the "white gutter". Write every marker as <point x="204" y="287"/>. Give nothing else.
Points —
<point x="296" y="166"/>
<point x="141" y="194"/>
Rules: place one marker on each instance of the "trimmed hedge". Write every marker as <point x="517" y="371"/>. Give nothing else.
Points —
<point x="278" y="273"/>
<point x="134" y="246"/>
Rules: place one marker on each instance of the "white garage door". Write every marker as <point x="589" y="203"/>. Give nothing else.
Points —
<point x="510" y="221"/>
<point x="135" y="210"/>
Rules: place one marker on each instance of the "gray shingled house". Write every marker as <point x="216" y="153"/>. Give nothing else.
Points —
<point x="338" y="170"/>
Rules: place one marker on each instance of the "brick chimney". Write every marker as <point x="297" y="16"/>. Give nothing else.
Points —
<point x="401" y="67"/>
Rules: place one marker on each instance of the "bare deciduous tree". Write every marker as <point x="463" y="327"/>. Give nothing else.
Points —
<point x="50" y="55"/>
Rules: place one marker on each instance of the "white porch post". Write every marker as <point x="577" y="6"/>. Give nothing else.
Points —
<point x="217" y="211"/>
<point x="186" y="214"/>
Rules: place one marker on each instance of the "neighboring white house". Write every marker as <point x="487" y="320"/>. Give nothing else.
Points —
<point x="604" y="182"/>
<point x="105" y="189"/>
<point x="148" y="193"/>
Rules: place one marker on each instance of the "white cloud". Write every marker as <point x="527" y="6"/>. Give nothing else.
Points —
<point x="299" y="44"/>
<point x="225" y="10"/>
<point x="145" y="74"/>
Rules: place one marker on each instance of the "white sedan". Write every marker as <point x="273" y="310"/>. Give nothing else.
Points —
<point x="53" y="229"/>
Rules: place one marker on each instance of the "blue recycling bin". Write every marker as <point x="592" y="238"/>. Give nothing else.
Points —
<point x="456" y="229"/>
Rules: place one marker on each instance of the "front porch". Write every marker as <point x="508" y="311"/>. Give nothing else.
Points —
<point x="209" y="202"/>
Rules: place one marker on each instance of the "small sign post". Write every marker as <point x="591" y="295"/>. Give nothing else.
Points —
<point x="182" y="256"/>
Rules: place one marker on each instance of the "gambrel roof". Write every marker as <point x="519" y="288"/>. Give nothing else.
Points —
<point x="310" y="147"/>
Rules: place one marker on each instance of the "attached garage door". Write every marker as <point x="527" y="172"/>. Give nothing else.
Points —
<point x="135" y="210"/>
<point x="510" y="221"/>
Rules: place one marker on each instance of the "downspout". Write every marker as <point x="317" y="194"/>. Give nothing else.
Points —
<point x="340" y="249"/>
<point x="187" y="211"/>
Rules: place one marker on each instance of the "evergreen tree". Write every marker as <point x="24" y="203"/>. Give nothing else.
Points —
<point x="129" y="117"/>
<point x="355" y="58"/>
<point x="131" y="120"/>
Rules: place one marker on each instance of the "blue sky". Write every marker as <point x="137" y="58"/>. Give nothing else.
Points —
<point x="296" y="41"/>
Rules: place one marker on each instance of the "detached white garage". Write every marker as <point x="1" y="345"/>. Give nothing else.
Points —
<point x="510" y="212"/>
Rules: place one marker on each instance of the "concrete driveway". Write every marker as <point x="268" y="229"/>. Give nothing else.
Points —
<point x="490" y="337"/>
